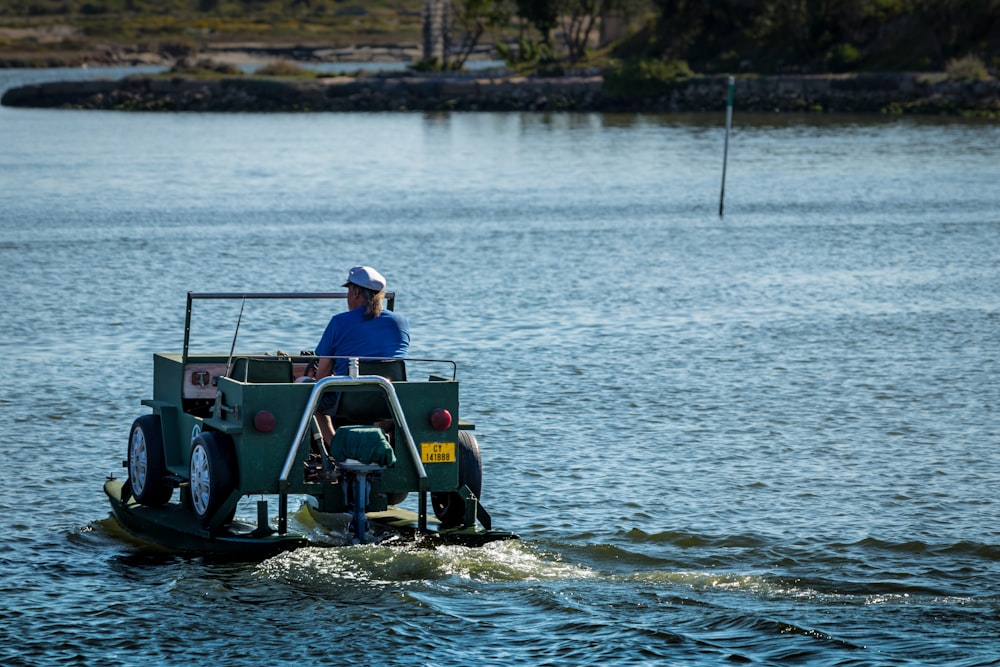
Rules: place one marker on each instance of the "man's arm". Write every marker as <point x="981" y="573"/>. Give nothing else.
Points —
<point x="325" y="368"/>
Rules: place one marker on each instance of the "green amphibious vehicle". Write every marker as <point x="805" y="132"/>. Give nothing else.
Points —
<point x="227" y="426"/>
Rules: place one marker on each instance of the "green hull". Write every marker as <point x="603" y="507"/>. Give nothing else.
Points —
<point x="174" y="528"/>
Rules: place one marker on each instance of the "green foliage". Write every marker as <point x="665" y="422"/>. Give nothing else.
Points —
<point x="543" y="15"/>
<point x="472" y="19"/>
<point x="529" y="55"/>
<point x="843" y="58"/>
<point x="203" y="68"/>
<point x="428" y="65"/>
<point x="93" y="8"/>
<point x="283" y="68"/>
<point x="435" y="65"/>
<point x="637" y="78"/>
<point x="274" y="21"/>
<point x="714" y="36"/>
<point x="967" y="68"/>
<point x="820" y="36"/>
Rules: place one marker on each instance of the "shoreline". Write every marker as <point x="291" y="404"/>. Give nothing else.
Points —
<point x="227" y="53"/>
<point x="887" y="93"/>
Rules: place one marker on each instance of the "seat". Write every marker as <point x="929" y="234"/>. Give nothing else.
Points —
<point x="367" y="407"/>
<point x="247" y="369"/>
<point x="393" y="370"/>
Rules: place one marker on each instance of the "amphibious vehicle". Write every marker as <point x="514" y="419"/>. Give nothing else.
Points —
<point x="225" y="426"/>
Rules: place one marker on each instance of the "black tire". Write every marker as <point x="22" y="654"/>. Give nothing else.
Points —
<point x="449" y="507"/>
<point x="396" y="498"/>
<point x="147" y="467"/>
<point x="212" y="473"/>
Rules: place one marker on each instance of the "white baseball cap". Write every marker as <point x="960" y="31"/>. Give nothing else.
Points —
<point x="367" y="277"/>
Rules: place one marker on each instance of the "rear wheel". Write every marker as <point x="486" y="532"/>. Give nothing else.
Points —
<point x="396" y="498"/>
<point x="147" y="466"/>
<point x="212" y="474"/>
<point x="449" y="507"/>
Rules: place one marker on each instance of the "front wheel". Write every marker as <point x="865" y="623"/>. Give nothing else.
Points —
<point x="147" y="468"/>
<point x="449" y="507"/>
<point x="212" y="474"/>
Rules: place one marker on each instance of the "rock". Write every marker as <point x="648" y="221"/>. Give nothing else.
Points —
<point x="400" y="91"/>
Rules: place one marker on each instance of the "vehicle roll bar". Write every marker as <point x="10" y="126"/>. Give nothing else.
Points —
<point x="351" y="381"/>
<point x="390" y="299"/>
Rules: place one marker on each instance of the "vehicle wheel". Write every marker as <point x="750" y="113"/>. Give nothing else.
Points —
<point x="147" y="468"/>
<point x="212" y="473"/>
<point x="396" y="498"/>
<point x="449" y="507"/>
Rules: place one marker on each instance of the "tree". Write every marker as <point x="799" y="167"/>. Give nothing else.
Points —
<point x="474" y="17"/>
<point x="542" y="14"/>
<point x="578" y="19"/>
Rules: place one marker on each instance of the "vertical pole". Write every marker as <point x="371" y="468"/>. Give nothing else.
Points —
<point x="282" y="513"/>
<point x="725" y="151"/>
<point x="436" y="22"/>
<point x="422" y="512"/>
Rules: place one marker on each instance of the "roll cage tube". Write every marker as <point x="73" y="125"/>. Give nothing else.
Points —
<point x="390" y="299"/>
<point x="356" y="380"/>
<point x="351" y="381"/>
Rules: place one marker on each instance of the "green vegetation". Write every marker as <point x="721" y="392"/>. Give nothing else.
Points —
<point x="203" y="69"/>
<point x="86" y="28"/>
<point x="818" y="36"/>
<point x="969" y="68"/>
<point x="637" y="78"/>
<point x="284" y="68"/>
<point x="530" y="56"/>
<point x="651" y="37"/>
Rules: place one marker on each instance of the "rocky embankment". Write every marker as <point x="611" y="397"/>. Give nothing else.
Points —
<point x="411" y="91"/>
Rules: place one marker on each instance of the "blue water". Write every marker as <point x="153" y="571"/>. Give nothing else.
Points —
<point x="770" y="438"/>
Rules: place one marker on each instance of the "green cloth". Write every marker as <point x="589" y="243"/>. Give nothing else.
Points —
<point x="366" y="444"/>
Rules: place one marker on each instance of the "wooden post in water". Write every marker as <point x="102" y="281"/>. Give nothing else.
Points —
<point x="725" y="151"/>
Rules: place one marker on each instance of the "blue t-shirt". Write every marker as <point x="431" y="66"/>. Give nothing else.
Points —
<point x="350" y="334"/>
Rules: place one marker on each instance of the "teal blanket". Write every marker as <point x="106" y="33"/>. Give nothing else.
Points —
<point x="366" y="444"/>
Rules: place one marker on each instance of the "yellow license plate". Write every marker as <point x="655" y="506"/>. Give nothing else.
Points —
<point x="437" y="452"/>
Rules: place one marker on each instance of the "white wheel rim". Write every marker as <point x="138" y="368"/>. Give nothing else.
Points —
<point x="138" y="462"/>
<point x="201" y="486"/>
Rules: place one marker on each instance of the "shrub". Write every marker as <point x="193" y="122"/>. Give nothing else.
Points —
<point x="282" y="68"/>
<point x="842" y="58"/>
<point x="636" y="77"/>
<point x="969" y="68"/>
<point x="92" y="9"/>
<point x="203" y="67"/>
<point x="529" y="56"/>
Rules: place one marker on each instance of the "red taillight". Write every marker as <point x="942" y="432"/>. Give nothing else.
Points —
<point x="440" y="419"/>
<point x="264" y="421"/>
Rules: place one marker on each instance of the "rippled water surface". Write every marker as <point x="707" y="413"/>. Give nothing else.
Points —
<point x="771" y="438"/>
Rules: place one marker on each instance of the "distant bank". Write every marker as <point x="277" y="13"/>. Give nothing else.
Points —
<point x="898" y="93"/>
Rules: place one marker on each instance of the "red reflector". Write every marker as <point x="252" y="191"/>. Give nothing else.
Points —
<point x="440" y="419"/>
<point x="264" y="421"/>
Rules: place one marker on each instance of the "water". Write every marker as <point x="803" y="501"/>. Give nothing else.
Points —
<point x="770" y="438"/>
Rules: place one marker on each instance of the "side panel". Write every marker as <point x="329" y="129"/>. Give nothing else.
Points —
<point x="261" y="454"/>
<point x="181" y="416"/>
<point x="419" y="399"/>
<point x="168" y="376"/>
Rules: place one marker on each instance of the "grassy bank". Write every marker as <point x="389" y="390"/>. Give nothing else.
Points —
<point x="73" y="32"/>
